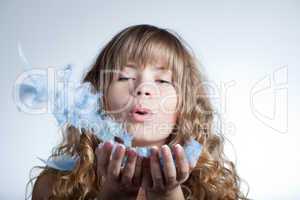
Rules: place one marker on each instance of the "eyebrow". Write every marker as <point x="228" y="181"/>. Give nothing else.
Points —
<point x="157" y="68"/>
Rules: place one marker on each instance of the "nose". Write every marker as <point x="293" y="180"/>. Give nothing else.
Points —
<point x="141" y="92"/>
<point x="145" y="89"/>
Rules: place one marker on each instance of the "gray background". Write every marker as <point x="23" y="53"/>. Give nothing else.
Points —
<point x="239" y="43"/>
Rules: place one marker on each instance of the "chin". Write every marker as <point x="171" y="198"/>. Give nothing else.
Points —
<point x="144" y="135"/>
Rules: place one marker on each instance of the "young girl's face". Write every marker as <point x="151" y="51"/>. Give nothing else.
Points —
<point x="149" y="90"/>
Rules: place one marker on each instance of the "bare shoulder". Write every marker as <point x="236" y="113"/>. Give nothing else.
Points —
<point x="43" y="186"/>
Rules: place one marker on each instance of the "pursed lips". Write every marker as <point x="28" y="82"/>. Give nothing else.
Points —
<point x="140" y="114"/>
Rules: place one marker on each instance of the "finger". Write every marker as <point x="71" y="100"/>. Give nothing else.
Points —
<point x="138" y="171"/>
<point x="169" y="168"/>
<point x="146" y="174"/>
<point x="156" y="173"/>
<point x="98" y="152"/>
<point x="103" y="153"/>
<point x="181" y="163"/>
<point x="129" y="168"/>
<point x="114" y="166"/>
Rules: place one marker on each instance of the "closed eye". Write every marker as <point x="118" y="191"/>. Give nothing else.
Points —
<point x="127" y="78"/>
<point x="163" y="81"/>
<point x="124" y="78"/>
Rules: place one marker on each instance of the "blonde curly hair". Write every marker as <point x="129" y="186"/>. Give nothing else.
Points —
<point x="214" y="176"/>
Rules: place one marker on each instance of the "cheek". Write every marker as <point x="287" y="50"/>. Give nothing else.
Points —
<point x="168" y="101"/>
<point x="168" y="105"/>
<point x="118" y="98"/>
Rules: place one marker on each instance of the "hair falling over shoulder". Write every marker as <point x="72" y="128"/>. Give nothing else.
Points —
<point x="214" y="177"/>
<point x="80" y="183"/>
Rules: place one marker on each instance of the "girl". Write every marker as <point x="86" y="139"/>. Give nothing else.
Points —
<point x="152" y="84"/>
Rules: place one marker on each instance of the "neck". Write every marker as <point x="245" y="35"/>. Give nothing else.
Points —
<point x="136" y="143"/>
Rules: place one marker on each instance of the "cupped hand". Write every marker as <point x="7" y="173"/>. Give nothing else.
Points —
<point x="120" y="182"/>
<point x="163" y="180"/>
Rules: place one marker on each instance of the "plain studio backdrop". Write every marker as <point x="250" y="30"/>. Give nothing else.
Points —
<point x="249" y="50"/>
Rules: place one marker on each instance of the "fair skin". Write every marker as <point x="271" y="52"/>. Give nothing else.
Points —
<point x="150" y="87"/>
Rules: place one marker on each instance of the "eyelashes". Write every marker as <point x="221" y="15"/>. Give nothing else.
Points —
<point x="163" y="81"/>
<point x="159" y="80"/>
<point x="124" y="78"/>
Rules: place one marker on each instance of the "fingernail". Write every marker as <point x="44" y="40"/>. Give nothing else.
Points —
<point x="107" y="144"/>
<point x="119" y="147"/>
<point x="177" y="149"/>
<point x="153" y="149"/>
<point x="131" y="152"/>
<point x="164" y="150"/>
<point x="178" y="146"/>
<point x="114" y="146"/>
<point x="110" y="142"/>
<point x="164" y="147"/>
